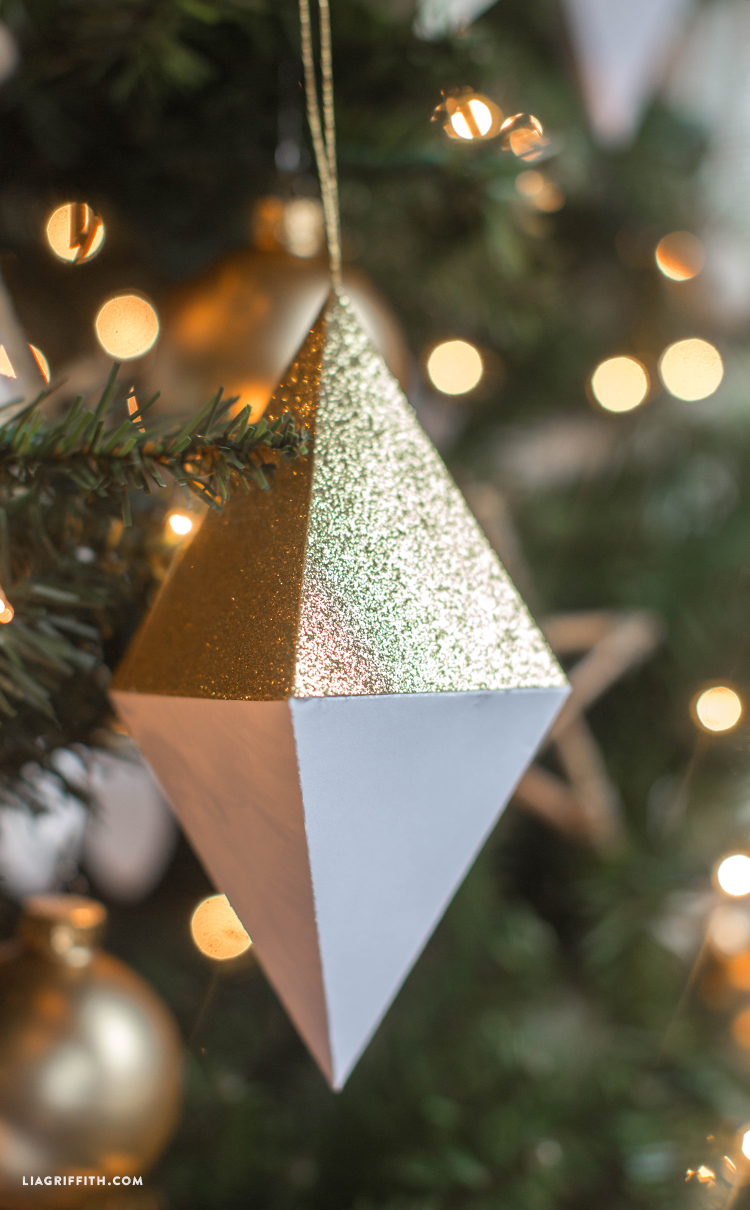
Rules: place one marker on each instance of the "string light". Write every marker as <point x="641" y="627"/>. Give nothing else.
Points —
<point x="620" y="384"/>
<point x="180" y="523"/>
<point x="691" y="369"/>
<point x="6" y="609"/>
<point x="74" y="232"/>
<point x="741" y="1035"/>
<point x="41" y="361"/>
<point x="217" y="930"/>
<point x="733" y="875"/>
<point x="127" y="326"/>
<point x="540" y="191"/>
<point x="718" y="708"/>
<point x="523" y="134"/>
<point x="680" y="256"/>
<point x="455" y="367"/>
<point x="468" y="115"/>
<point x="729" y="930"/>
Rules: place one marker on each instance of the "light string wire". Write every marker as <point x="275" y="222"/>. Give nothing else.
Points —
<point x="323" y="132"/>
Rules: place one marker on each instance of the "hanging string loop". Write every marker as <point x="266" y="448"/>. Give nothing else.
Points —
<point x="323" y="131"/>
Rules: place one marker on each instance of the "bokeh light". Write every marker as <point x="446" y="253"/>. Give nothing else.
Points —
<point x="745" y="1145"/>
<point x="74" y="232"/>
<point x="41" y="361"/>
<point x="127" y="326"/>
<point x="718" y="708"/>
<point x="680" y="255"/>
<point x="468" y="115"/>
<point x="523" y="134"/>
<point x="180" y="523"/>
<point x="7" y="611"/>
<point x="733" y="875"/>
<point x="619" y="384"/>
<point x="691" y="369"/>
<point x="455" y="367"/>
<point x="741" y="1035"/>
<point x="217" y="930"/>
<point x="543" y="193"/>
<point x="729" y="930"/>
<point x="465" y="127"/>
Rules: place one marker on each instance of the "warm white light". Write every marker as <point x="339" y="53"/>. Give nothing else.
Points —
<point x="74" y="232"/>
<point x="455" y="367"/>
<point x="733" y="875"/>
<point x="6" y="611"/>
<point x="480" y="113"/>
<point x="620" y="384"/>
<point x="729" y="930"/>
<point x="217" y="930"/>
<point x="180" y="523"/>
<point x="746" y="1144"/>
<point x="691" y="369"/>
<point x="127" y="326"/>
<point x="41" y="361"/>
<point x="680" y="255"/>
<point x="540" y="191"/>
<point x="718" y="708"/>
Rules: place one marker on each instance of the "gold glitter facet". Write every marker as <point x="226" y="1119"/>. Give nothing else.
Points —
<point x="362" y="571"/>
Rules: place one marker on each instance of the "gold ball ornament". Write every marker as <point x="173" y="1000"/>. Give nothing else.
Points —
<point x="90" y="1061"/>
<point x="241" y="322"/>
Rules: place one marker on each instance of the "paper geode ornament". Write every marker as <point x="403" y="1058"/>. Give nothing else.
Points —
<point x="338" y="688"/>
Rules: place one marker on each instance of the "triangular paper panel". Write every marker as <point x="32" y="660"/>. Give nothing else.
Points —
<point x="338" y="688"/>
<point x="622" y="47"/>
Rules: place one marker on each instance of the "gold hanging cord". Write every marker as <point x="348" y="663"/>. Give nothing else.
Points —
<point x="323" y="133"/>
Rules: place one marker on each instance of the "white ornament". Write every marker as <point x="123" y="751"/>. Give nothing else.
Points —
<point x="130" y="832"/>
<point x="437" y="18"/>
<point x="339" y="688"/>
<point x="622" y="48"/>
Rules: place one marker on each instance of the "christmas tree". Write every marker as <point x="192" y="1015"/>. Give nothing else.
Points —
<point x="566" y="1038"/>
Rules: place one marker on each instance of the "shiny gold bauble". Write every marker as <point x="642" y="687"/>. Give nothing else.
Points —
<point x="90" y="1061"/>
<point x="240" y="323"/>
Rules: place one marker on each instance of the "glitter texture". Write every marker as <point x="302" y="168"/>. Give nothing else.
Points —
<point x="401" y="592"/>
<point x="362" y="571"/>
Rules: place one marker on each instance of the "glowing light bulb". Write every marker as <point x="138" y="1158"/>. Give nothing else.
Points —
<point x="733" y="875"/>
<point x="729" y="930"/>
<point x="74" y="232"/>
<point x="745" y="1147"/>
<point x="718" y="708"/>
<point x="540" y="191"/>
<point x="523" y="134"/>
<point x="620" y="384"/>
<point x="127" y="326"/>
<point x="41" y="361"/>
<point x="217" y="930"/>
<point x="680" y="256"/>
<point x="180" y="524"/>
<point x="691" y="369"/>
<point x="741" y="1030"/>
<point x="468" y="115"/>
<point x="455" y="367"/>
<point x="481" y="124"/>
<point x="7" y="611"/>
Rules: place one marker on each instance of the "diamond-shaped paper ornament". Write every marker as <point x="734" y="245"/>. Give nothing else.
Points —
<point x="338" y="688"/>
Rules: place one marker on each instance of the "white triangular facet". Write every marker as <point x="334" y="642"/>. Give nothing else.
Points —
<point x="399" y="792"/>
<point x="622" y="47"/>
<point x="230" y="770"/>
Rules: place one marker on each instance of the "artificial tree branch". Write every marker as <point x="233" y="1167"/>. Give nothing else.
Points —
<point x="206" y="456"/>
<point x="80" y="582"/>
